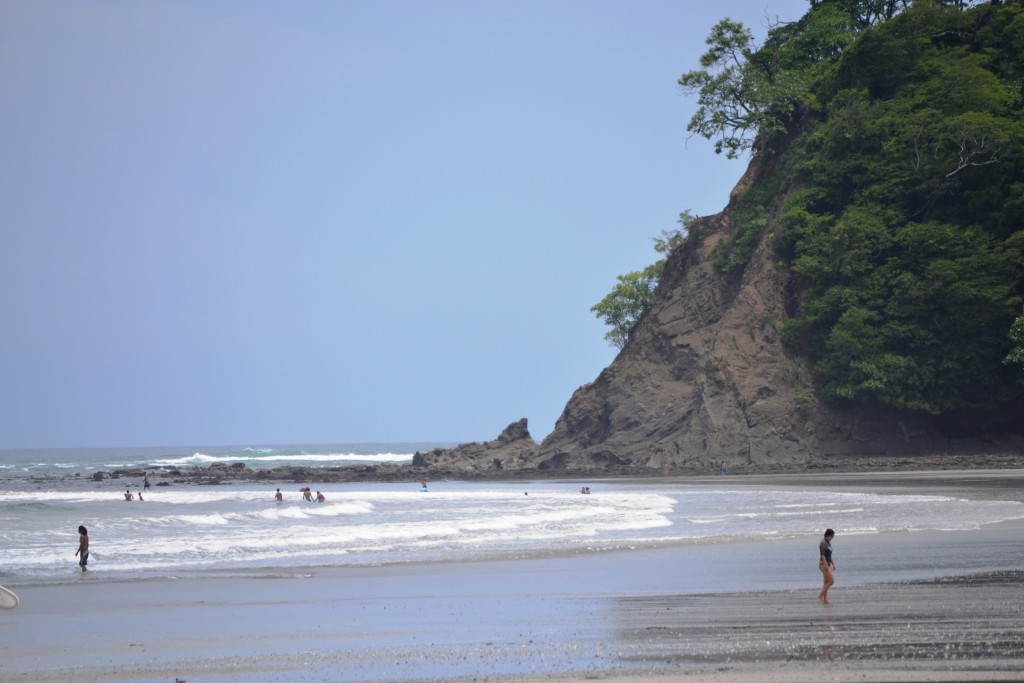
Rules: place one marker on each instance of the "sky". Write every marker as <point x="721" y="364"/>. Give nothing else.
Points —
<point x="248" y="223"/>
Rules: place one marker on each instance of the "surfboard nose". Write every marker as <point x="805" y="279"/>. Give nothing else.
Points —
<point x="8" y="600"/>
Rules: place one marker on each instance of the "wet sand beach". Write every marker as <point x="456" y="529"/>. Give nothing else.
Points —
<point x="923" y="606"/>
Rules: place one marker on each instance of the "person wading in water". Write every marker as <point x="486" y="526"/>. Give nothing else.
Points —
<point x="83" y="547"/>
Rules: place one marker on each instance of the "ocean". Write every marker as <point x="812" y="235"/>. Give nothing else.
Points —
<point x="183" y="529"/>
<point x="85" y="461"/>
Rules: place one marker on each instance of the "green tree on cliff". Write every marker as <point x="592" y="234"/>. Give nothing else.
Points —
<point x="622" y="307"/>
<point x="902" y="130"/>
<point x="628" y="300"/>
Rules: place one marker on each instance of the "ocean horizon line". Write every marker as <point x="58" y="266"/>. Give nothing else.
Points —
<point x="242" y="446"/>
<point x="57" y="461"/>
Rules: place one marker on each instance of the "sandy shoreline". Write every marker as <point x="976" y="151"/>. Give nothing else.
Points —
<point x="928" y="606"/>
<point x="293" y="629"/>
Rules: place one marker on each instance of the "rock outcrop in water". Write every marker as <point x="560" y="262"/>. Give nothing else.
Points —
<point x="510" y="452"/>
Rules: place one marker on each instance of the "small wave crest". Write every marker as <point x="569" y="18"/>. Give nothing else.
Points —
<point x="272" y="458"/>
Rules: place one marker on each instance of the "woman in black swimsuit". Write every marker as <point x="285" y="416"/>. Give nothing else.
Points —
<point x="826" y="565"/>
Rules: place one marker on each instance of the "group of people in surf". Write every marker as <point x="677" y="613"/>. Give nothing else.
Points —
<point x="129" y="496"/>
<point x="307" y="495"/>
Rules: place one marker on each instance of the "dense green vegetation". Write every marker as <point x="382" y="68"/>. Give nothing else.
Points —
<point x="897" y="139"/>
<point x="899" y="127"/>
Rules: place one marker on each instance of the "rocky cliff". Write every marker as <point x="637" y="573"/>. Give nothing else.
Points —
<point x="705" y="379"/>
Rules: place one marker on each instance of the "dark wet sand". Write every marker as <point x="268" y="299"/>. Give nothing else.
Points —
<point x="924" y="606"/>
<point x="957" y="628"/>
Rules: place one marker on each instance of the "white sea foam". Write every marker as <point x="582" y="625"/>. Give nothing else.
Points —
<point x="185" y="528"/>
<point x="272" y="458"/>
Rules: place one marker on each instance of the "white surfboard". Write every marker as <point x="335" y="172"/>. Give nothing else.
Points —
<point x="8" y="600"/>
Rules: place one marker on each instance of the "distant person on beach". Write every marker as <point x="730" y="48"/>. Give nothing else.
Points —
<point x="320" y="497"/>
<point x="128" y="495"/>
<point x="83" y="547"/>
<point x="140" y="497"/>
<point x="826" y="565"/>
<point x="423" y="485"/>
<point x="725" y="469"/>
<point x="145" y="483"/>
<point x="278" y="496"/>
<point x="306" y="495"/>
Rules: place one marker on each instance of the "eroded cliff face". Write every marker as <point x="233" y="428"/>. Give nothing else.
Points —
<point x="705" y="379"/>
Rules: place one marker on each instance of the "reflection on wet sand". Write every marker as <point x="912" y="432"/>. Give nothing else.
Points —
<point x="970" y="622"/>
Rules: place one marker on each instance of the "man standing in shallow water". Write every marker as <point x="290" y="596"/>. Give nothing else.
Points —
<point x="83" y="547"/>
<point x="826" y="565"/>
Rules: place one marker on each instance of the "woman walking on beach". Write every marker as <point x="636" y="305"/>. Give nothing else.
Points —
<point x="826" y="565"/>
<point x="83" y="547"/>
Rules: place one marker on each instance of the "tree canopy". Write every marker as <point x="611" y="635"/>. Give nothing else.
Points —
<point x="898" y="131"/>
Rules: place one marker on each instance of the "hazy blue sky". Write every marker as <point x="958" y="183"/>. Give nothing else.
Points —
<point x="244" y="222"/>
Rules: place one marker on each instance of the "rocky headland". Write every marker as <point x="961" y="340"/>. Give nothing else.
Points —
<point x="514" y="455"/>
<point x="705" y="380"/>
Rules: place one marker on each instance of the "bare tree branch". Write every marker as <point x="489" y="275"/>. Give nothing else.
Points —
<point x="974" y="152"/>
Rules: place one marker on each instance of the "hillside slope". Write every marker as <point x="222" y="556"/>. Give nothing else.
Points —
<point x="861" y="295"/>
<point x="856" y="296"/>
<point x="705" y="378"/>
